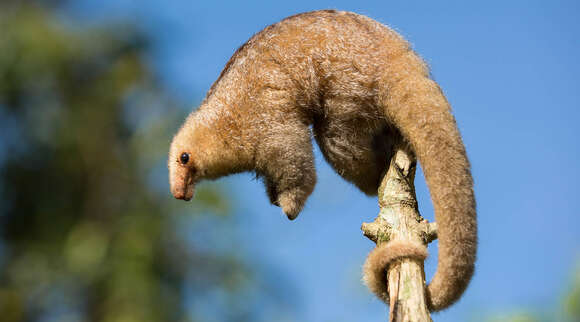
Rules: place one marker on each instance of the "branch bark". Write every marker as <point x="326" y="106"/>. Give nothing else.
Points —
<point x="399" y="221"/>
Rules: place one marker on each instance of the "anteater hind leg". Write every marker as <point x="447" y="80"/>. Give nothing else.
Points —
<point x="285" y="160"/>
<point x="357" y="149"/>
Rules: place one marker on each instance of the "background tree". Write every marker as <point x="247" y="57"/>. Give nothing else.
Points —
<point x="87" y="233"/>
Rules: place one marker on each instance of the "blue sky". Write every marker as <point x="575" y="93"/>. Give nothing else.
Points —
<point x="510" y="70"/>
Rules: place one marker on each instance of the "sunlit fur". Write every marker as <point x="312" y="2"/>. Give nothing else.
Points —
<point x="381" y="257"/>
<point x="361" y="88"/>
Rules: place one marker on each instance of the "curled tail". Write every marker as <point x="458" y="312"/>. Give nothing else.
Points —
<point x="416" y="106"/>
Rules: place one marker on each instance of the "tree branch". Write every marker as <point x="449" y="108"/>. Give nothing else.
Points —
<point x="399" y="220"/>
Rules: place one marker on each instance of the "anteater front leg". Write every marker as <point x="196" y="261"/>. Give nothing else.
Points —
<point x="284" y="157"/>
<point x="272" y="191"/>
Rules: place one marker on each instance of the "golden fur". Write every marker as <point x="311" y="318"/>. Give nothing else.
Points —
<point x="379" y="260"/>
<point x="362" y="88"/>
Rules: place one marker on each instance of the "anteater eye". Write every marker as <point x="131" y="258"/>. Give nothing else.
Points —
<point x="184" y="158"/>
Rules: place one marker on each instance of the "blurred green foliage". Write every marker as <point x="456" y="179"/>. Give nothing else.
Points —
<point x="572" y="299"/>
<point x="88" y="229"/>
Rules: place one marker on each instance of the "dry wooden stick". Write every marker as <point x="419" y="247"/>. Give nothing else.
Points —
<point x="399" y="221"/>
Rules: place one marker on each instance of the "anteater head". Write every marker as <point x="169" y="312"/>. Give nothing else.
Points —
<point x="183" y="169"/>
